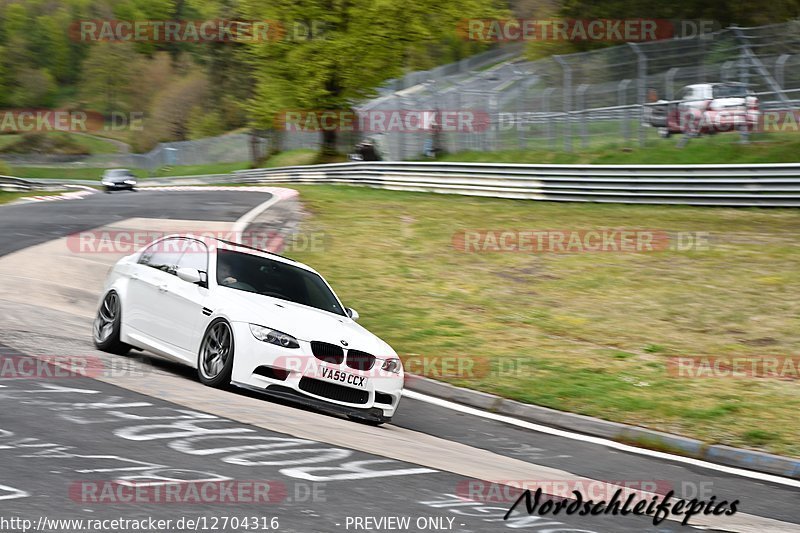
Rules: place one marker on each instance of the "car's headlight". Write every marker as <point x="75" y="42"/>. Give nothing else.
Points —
<point x="130" y="182"/>
<point x="273" y="336"/>
<point x="392" y="365"/>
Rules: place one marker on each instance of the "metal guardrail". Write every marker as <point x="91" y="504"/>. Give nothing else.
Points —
<point x="768" y="185"/>
<point x="12" y="184"/>
<point x="24" y="184"/>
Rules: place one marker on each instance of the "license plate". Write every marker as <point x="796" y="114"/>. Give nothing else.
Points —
<point x="344" y="377"/>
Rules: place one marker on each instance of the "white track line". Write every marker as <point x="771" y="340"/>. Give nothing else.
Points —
<point x="601" y="441"/>
<point x="70" y="195"/>
<point x="278" y="194"/>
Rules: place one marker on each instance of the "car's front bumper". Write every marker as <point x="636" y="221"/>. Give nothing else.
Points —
<point x="118" y="186"/>
<point x="260" y="366"/>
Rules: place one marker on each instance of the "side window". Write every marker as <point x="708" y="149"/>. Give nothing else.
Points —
<point x="195" y="255"/>
<point x="163" y="255"/>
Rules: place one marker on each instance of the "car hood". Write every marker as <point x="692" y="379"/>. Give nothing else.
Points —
<point x="722" y="103"/>
<point x="304" y="323"/>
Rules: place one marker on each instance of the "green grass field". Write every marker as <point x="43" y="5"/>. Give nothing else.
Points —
<point x="714" y="149"/>
<point x="94" y="173"/>
<point x="589" y="333"/>
<point x="88" y="143"/>
<point x="6" y="197"/>
<point x="292" y="158"/>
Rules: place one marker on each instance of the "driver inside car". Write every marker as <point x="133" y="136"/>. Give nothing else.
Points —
<point x="225" y="274"/>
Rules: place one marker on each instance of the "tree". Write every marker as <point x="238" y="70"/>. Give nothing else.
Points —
<point x="351" y="47"/>
<point x="33" y="88"/>
<point x="107" y="76"/>
<point x="173" y="108"/>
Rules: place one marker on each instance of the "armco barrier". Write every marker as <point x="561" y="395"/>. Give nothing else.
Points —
<point x="769" y="185"/>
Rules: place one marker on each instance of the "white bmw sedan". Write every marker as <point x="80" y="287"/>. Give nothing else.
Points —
<point x="250" y="318"/>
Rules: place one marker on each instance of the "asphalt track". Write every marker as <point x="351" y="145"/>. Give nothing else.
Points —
<point x="58" y="434"/>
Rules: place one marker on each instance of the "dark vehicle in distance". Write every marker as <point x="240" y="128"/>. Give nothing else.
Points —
<point x="118" y="179"/>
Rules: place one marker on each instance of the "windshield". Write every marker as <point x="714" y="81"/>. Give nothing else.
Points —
<point x="118" y="173"/>
<point x="730" y="91"/>
<point x="251" y="273"/>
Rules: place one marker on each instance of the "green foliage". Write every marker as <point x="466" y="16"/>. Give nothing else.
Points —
<point x="352" y="48"/>
<point x="204" y="123"/>
<point x="723" y="13"/>
<point x="107" y="75"/>
<point x="32" y="143"/>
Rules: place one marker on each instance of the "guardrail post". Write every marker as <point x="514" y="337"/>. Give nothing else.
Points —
<point x="748" y="54"/>
<point x="779" y="65"/>
<point x="580" y="95"/>
<point x="724" y="70"/>
<point x="402" y="137"/>
<point x="622" y="99"/>
<point x="522" y="134"/>
<point x="669" y="83"/>
<point x="549" y="116"/>
<point x="567" y="91"/>
<point x="494" y="115"/>
<point x="642" y="62"/>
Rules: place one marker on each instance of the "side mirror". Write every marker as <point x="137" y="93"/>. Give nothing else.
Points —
<point x="192" y="275"/>
<point x="352" y="313"/>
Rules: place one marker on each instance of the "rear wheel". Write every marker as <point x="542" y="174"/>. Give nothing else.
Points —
<point x="106" y="326"/>
<point x="215" y="360"/>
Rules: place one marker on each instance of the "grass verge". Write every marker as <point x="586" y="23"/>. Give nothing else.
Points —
<point x="94" y="173"/>
<point x="6" y="197"/>
<point x="713" y="149"/>
<point x="88" y="144"/>
<point x="589" y="333"/>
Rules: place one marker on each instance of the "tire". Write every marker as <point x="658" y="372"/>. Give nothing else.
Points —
<point x="215" y="357"/>
<point x="664" y="133"/>
<point x="106" y="325"/>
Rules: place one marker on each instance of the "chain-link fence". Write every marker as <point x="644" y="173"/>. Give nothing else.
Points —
<point x="232" y="148"/>
<point x="602" y="97"/>
<point x="568" y="102"/>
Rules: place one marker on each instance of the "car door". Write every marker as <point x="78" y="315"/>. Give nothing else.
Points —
<point x="183" y="303"/>
<point x="150" y="279"/>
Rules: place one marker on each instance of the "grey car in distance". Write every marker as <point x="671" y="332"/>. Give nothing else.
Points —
<point x="118" y="179"/>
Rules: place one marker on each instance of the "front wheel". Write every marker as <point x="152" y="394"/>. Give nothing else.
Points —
<point x="215" y="359"/>
<point x="106" y="326"/>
